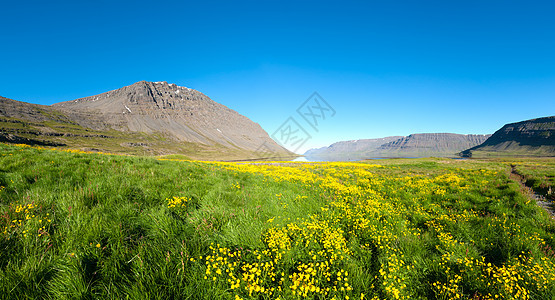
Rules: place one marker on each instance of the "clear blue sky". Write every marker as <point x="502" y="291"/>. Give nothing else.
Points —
<point x="390" y="68"/>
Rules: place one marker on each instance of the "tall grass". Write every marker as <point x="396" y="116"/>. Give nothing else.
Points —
<point x="99" y="226"/>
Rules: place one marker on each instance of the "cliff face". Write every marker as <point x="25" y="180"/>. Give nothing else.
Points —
<point x="534" y="137"/>
<point x="157" y="117"/>
<point x="431" y="144"/>
<point x="414" y="145"/>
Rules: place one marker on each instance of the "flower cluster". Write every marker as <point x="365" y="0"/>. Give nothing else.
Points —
<point x="177" y="202"/>
<point x="24" y="219"/>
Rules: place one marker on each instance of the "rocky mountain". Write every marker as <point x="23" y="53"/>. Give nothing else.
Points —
<point x="414" y="145"/>
<point x="534" y="137"/>
<point x="145" y="117"/>
<point x="349" y="150"/>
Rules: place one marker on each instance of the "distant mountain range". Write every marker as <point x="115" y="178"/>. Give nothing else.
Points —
<point x="534" y="137"/>
<point x="144" y="118"/>
<point x="414" y="145"/>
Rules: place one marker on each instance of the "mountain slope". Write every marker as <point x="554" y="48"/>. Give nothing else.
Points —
<point x="145" y="117"/>
<point x="10" y="108"/>
<point x="535" y="137"/>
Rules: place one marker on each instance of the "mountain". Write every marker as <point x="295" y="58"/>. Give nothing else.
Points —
<point x="349" y="150"/>
<point x="143" y="118"/>
<point x="414" y="145"/>
<point x="430" y="144"/>
<point x="534" y="137"/>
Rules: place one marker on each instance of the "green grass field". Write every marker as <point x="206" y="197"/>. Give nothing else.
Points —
<point x="94" y="226"/>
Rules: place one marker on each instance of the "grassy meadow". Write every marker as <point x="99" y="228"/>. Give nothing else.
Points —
<point x="88" y="226"/>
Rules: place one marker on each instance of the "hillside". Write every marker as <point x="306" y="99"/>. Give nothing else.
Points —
<point x="535" y="137"/>
<point x="153" y="118"/>
<point x="414" y="145"/>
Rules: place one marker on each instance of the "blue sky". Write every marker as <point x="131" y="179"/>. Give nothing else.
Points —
<point x="387" y="69"/>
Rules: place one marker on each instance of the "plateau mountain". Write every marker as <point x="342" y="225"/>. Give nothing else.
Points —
<point x="414" y="145"/>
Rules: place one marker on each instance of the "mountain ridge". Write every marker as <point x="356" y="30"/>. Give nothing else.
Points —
<point x="431" y="144"/>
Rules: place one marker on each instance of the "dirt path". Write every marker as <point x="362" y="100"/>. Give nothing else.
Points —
<point x="540" y="200"/>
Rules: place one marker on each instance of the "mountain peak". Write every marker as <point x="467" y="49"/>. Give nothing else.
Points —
<point x="159" y="84"/>
<point x="155" y="95"/>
